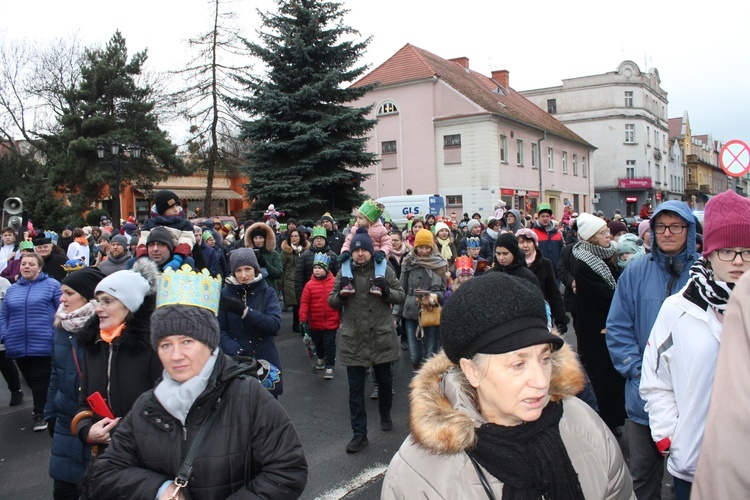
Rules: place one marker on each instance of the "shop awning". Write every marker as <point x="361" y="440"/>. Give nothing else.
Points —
<point x="200" y="194"/>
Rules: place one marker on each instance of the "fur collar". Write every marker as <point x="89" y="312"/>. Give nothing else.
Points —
<point x="443" y="414"/>
<point x="135" y="337"/>
<point x="270" y="236"/>
<point x="287" y="248"/>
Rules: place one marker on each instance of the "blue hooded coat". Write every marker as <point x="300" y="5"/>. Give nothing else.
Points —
<point x="640" y="292"/>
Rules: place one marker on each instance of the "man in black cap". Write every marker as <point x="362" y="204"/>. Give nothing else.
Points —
<point x="335" y="238"/>
<point x="53" y="261"/>
<point x="368" y="336"/>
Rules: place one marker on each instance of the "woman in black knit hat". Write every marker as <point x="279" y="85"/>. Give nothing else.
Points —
<point x="494" y="415"/>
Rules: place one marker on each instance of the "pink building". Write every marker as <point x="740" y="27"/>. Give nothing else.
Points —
<point x="444" y="129"/>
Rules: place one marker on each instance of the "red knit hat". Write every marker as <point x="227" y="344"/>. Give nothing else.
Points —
<point x="726" y="222"/>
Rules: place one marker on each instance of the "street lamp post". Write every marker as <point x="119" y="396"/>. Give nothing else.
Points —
<point x="117" y="151"/>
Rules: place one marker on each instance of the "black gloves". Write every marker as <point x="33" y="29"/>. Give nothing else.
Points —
<point x="379" y="256"/>
<point x="381" y="283"/>
<point x="344" y="256"/>
<point x="232" y="305"/>
<point x="261" y="260"/>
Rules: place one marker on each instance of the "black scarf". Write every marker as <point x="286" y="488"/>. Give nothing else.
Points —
<point x="529" y="459"/>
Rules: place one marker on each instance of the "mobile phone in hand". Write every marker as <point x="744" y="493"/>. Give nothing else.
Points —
<point x="99" y="405"/>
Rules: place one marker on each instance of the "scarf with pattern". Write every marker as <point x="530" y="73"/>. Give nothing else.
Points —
<point x="594" y="257"/>
<point x="714" y="293"/>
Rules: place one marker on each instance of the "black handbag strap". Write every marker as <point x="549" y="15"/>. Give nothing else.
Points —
<point x="482" y="479"/>
<point x="186" y="470"/>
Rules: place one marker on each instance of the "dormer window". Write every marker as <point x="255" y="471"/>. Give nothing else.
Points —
<point x="388" y="108"/>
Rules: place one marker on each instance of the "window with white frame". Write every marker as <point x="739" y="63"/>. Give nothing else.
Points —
<point x="629" y="133"/>
<point x="565" y="162"/>
<point x="628" y="98"/>
<point x="534" y="155"/>
<point x="454" y="200"/>
<point x="630" y="169"/>
<point x="503" y="149"/>
<point x="387" y="108"/>
<point x="452" y="141"/>
<point x="519" y="152"/>
<point x="584" y="167"/>
<point x="575" y="164"/>
<point x="388" y="147"/>
<point x="551" y="159"/>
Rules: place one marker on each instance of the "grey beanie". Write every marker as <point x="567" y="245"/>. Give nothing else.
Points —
<point x="190" y="321"/>
<point x="472" y="224"/>
<point x="122" y="240"/>
<point x="243" y="257"/>
<point x="494" y="314"/>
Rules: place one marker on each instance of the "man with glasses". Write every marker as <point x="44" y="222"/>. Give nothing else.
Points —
<point x="640" y="292"/>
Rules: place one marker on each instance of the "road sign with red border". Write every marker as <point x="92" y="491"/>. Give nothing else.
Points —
<point x="735" y="158"/>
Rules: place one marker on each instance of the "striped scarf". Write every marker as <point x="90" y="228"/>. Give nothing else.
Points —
<point x="715" y="293"/>
<point x="594" y="257"/>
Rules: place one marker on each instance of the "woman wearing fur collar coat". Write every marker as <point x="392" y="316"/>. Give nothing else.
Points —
<point x="494" y="416"/>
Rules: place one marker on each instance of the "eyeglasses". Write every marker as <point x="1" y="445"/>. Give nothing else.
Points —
<point x="727" y="255"/>
<point x="673" y="228"/>
<point x="106" y="302"/>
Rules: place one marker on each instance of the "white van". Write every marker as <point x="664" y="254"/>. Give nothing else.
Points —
<point x="420" y="205"/>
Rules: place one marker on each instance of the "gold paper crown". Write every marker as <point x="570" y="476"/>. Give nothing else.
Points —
<point x="188" y="288"/>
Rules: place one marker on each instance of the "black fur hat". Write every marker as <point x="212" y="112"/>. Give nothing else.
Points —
<point x="494" y="314"/>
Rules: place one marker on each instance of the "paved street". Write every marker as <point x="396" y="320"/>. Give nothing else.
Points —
<point x="319" y="409"/>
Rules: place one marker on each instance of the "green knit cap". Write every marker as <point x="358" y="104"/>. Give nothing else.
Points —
<point x="319" y="231"/>
<point x="544" y="207"/>
<point x="372" y="210"/>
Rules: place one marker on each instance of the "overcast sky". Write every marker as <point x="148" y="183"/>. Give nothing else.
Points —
<point x="701" y="52"/>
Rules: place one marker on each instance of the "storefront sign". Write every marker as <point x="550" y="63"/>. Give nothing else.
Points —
<point x="534" y="194"/>
<point x="507" y="192"/>
<point x="634" y="183"/>
<point x="631" y="199"/>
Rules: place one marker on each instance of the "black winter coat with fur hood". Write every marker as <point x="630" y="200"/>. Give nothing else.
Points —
<point x="132" y="364"/>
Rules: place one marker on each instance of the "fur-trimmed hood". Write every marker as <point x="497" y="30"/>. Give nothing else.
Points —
<point x="270" y="236"/>
<point x="444" y="415"/>
<point x="287" y="248"/>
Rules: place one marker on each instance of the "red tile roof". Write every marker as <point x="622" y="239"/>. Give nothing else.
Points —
<point x="411" y="63"/>
<point x="675" y="128"/>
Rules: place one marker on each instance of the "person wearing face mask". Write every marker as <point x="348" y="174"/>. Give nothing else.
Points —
<point x="681" y="353"/>
<point x="69" y="456"/>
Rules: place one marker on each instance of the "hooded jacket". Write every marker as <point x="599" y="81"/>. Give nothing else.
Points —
<point x="314" y="308"/>
<point x="640" y="293"/>
<point x="120" y="371"/>
<point x="273" y="267"/>
<point x="550" y="242"/>
<point x="433" y="463"/>
<point x="253" y="450"/>
<point x="303" y="272"/>
<point x="26" y="317"/>
<point x="512" y="228"/>
<point x="416" y="276"/>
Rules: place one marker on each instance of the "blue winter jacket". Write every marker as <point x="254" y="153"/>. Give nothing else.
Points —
<point x="252" y="335"/>
<point x="639" y="295"/>
<point x="69" y="456"/>
<point x="27" y="315"/>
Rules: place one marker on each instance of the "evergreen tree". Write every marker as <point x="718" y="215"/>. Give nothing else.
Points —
<point x="305" y="143"/>
<point x="108" y="104"/>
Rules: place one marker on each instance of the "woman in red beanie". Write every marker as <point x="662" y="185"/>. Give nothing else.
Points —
<point x="680" y="357"/>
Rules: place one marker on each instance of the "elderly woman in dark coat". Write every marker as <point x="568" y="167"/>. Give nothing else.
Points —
<point x="596" y="279"/>
<point x="69" y="456"/>
<point x="253" y="450"/>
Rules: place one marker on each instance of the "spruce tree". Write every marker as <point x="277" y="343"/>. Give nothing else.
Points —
<point x="111" y="102"/>
<point x="306" y="145"/>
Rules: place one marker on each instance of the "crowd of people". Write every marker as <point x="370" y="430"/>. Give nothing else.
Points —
<point x="123" y="368"/>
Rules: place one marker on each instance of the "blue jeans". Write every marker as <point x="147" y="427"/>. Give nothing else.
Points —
<point x="421" y="349"/>
<point x="357" y="411"/>
<point x="346" y="269"/>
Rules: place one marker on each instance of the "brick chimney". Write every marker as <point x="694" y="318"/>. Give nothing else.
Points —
<point x="463" y="61"/>
<point x="501" y="76"/>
